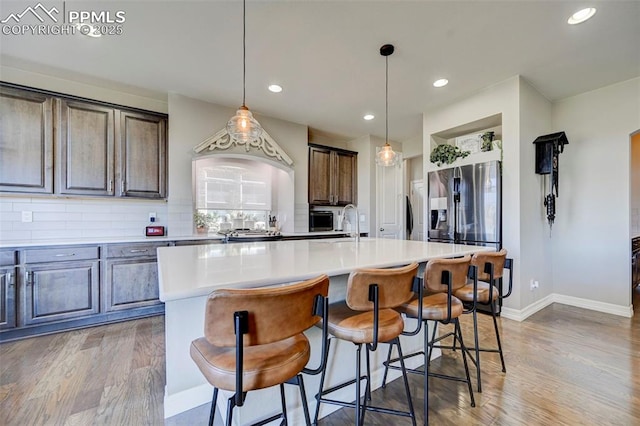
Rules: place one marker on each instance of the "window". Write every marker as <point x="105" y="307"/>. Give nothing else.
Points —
<point x="232" y="184"/>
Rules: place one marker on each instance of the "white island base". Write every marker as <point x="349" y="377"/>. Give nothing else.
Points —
<point x="189" y="273"/>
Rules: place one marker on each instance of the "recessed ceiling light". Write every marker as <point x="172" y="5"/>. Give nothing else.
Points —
<point x="275" y="88"/>
<point x="440" y="83"/>
<point x="369" y="117"/>
<point x="581" y="15"/>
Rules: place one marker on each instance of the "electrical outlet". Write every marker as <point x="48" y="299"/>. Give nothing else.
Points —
<point x="27" y="216"/>
<point x="534" y="284"/>
<point x="152" y="216"/>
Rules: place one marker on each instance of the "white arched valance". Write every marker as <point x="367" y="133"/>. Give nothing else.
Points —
<point x="265" y="143"/>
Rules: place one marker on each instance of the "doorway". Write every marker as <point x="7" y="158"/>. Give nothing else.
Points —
<point x="634" y="203"/>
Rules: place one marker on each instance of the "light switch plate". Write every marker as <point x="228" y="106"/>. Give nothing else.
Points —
<point x="27" y="216"/>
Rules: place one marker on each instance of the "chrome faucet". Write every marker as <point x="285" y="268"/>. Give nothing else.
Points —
<point x="344" y="209"/>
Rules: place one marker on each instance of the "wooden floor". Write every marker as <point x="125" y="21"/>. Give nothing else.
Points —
<point x="565" y="366"/>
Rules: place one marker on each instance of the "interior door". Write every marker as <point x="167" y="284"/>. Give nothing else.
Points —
<point x="416" y="196"/>
<point x="390" y="202"/>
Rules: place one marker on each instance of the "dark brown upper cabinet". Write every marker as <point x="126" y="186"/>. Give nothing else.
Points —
<point x="333" y="176"/>
<point x="101" y="149"/>
<point x="26" y="141"/>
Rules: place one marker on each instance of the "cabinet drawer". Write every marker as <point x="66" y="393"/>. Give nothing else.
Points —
<point x="60" y="254"/>
<point x="7" y="257"/>
<point x="134" y="250"/>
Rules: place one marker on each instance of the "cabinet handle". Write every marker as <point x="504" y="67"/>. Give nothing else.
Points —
<point x="330" y="199"/>
<point x="9" y="278"/>
<point x="65" y="254"/>
<point x="29" y="278"/>
<point x="110" y="190"/>
<point x="381" y="229"/>
<point x="138" y="251"/>
<point x="122" y="187"/>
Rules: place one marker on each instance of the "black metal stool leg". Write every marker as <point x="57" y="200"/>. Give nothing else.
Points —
<point x="212" y="413"/>
<point x="406" y="383"/>
<point x="477" y="349"/>
<point x="495" y="325"/>
<point x="464" y="360"/>
<point x="230" y="405"/>
<point x="358" y="413"/>
<point x="386" y="367"/>
<point x="427" y="354"/>
<point x="319" y="395"/>
<point x="284" y="405"/>
<point x="303" y="395"/>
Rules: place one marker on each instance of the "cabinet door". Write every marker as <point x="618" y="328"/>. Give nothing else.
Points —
<point x="59" y="291"/>
<point x="320" y="176"/>
<point x="130" y="283"/>
<point x="7" y="298"/>
<point x="26" y="141"/>
<point x="86" y="148"/>
<point x="143" y="155"/>
<point x="345" y="179"/>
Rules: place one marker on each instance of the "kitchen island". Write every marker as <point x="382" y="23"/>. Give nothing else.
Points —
<point x="188" y="274"/>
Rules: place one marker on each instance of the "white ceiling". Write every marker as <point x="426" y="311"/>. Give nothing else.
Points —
<point x="326" y="54"/>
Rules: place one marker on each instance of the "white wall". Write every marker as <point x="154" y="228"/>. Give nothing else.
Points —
<point x="535" y="120"/>
<point x="191" y="121"/>
<point x="502" y="98"/>
<point x="590" y="244"/>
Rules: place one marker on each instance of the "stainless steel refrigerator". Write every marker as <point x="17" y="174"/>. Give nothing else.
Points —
<point x="465" y="204"/>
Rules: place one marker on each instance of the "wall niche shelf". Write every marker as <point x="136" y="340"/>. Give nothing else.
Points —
<point x="492" y="123"/>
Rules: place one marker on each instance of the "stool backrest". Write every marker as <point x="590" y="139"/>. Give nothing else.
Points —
<point x="433" y="274"/>
<point x="395" y="287"/>
<point x="496" y="258"/>
<point x="275" y="313"/>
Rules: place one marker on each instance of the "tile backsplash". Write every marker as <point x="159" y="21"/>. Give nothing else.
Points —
<point x="85" y="218"/>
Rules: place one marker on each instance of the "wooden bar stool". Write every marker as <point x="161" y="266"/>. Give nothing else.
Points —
<point x="441" y="278"/>
<point x="253" y="339"/>
<point x="367" y="317"/>
<point x="490" y="267"/>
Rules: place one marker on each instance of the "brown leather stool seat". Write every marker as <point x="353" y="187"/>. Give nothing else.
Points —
<point x="367" y="317"/>
<point x="253" y="339"/>
<point x="345" y="324"/>
<point x="490" y="269"/>
<point x="263" y="365"/>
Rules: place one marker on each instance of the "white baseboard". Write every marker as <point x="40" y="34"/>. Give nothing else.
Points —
<point x="608" y="308"/>
<point x="186" y="400"/>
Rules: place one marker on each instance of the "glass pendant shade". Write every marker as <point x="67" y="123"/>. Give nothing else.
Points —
<point x="243" y="127"/>
<point x="385" y="156"/>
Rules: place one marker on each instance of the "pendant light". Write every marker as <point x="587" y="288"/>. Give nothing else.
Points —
<point x="242" y="126"/>
<point x="385" y="156"/>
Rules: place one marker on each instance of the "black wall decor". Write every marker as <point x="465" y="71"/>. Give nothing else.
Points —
<point x="548" y="148"/>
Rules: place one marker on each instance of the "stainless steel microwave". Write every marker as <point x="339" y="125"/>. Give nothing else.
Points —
<point x="320" y="221"/>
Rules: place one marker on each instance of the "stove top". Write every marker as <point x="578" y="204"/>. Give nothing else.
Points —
<point x="249" y="235"/>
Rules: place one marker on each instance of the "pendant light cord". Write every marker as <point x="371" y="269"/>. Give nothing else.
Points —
<point x="244" y="49"/>
<point x="386" y="100"/>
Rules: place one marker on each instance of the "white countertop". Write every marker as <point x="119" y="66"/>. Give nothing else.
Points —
<point x="106" y="240"/>
<point x="193" y="271"/>
<point x="143" y="239"/>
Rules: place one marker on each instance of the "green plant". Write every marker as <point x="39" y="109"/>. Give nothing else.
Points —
<point x="447" y="154"/>
<point x="202" y="220"/>
<point x="487" y="141"/>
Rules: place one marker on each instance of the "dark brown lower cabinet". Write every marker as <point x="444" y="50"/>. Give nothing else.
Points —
<point x="131" y="276"/>
<point x="130" y="283"/>
<point x="60" y="291"/>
